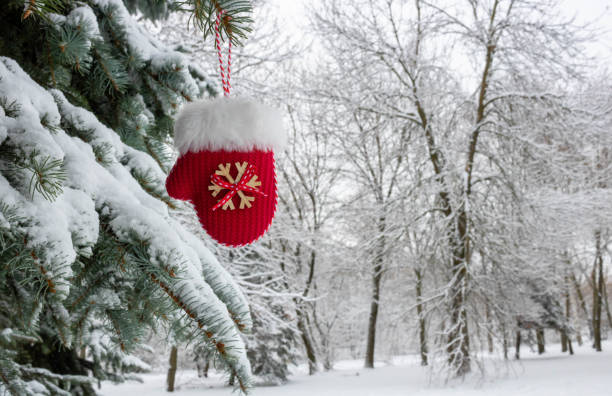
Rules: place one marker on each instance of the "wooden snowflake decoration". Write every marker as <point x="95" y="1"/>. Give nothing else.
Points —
<point x="245" y="181"/>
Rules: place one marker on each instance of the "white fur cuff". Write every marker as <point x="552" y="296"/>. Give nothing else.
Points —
<point x="228" y="124"/>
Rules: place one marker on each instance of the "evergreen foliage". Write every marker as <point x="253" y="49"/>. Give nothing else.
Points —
<point x="273" y="342"/>
<point x="90" y="258"/>
<point x="272" y="347"/>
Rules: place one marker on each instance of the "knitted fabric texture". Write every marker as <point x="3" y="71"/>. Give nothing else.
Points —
<point x="236" y="138"/>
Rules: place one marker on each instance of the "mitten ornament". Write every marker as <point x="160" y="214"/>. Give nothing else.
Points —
<point x="226" y="166"/>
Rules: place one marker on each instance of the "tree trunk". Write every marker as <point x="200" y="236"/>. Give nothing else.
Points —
<point x="376" y="278"/>
<point x="563" y="341"/>
<point x="488" y="329"/>
<point x="172" y="369"/>
<point x="505" y="344"/>
<point x="517" y="345"/>
<point x="307" y="341"/>
<point x="369" y="358"/>
<point x="597" y="278"/>
<point x="566" y="343"/>
<point x="202" y="369"/>
<point x="458" y="336"/>
<point x="324" y="342"/>
<point x="606" y="303"/>
<point x="582" y="304"/>
<point x="421" y="317"/>
<point x="541" y="341"/>
<point x="595" y="297"/>
<point x="567" y="319"/>
<point x="488" y="326"/>
<point x="299" y="309"/>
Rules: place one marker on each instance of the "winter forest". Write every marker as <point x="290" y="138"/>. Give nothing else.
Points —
<point x="444" y="215"/>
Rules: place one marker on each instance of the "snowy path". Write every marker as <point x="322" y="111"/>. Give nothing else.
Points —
<point x="585" y="374"/>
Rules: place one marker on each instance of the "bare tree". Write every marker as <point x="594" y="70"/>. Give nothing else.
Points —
<point x="307" y="204"/>
<point x="507" y="56"/>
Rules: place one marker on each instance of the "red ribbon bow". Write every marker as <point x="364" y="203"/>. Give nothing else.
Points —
<point x="238" y="185"/>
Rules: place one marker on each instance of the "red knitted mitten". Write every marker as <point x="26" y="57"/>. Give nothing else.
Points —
<point x="226" y="166"/>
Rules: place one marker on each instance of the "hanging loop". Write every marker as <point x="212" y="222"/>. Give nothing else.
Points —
<point x="225" y="78"/>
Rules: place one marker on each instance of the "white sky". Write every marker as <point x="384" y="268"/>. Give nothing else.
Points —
<point x="597" y="11"/>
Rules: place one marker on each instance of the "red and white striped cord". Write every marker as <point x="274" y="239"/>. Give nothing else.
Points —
<point x="225" y="82"/>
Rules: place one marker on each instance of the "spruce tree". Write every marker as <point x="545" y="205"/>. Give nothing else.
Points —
<point x="273" y="342"/>
<point x="91" y="257"/>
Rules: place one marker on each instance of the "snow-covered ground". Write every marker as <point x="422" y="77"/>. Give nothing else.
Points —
<point x="587" y="373"/>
